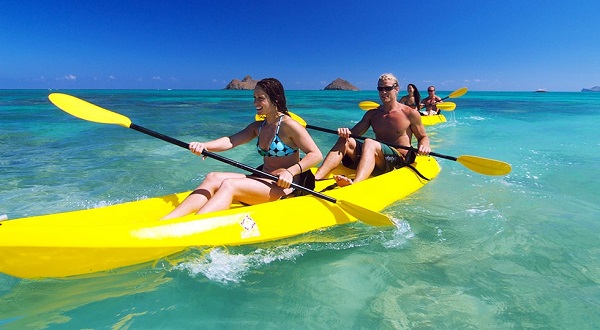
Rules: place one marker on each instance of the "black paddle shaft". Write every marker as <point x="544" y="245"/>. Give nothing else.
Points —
<point x="228" y="161"/>
<point x="358" y="137"/>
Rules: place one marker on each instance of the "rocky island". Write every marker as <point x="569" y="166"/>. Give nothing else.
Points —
<point x="593" y="89"/>
<point x="248" y="84"/>
<point x="245" y="84"/>
<point x="341" y="84"/>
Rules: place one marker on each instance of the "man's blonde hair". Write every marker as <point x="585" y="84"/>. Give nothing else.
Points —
<point x="388" y="76"/>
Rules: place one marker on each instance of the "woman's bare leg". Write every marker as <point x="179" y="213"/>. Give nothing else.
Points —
<point x="202" y="194"/>
<point x="248" y="190"/>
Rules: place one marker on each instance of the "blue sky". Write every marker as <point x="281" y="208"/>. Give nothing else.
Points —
<point x="510" y="45"/>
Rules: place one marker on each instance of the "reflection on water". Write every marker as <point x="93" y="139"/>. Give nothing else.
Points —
<point x="37" y="304"/>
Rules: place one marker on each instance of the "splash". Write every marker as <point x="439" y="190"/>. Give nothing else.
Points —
<point x="230" y="266"/>
<point x="221" y="266"/>
<point x="400" y="236"/>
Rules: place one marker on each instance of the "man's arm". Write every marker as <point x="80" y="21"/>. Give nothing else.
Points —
<point x="418" y="129"/>
<point x="363" y="125"/>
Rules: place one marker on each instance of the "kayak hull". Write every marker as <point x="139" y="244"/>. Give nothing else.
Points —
<point x="100" y="239"/>
<point x="433" y="120"/>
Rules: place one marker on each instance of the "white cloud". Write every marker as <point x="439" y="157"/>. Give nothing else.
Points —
<point x="476" y="80"/>
<point x="68" y="77"/>
<point x="156" y="78"/>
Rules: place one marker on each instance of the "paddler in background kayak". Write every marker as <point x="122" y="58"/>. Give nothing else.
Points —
<point x="392" y="122"/>
<point x="279" y="140"/>
<point x="413" y="98"/>
<point x="430" y="102"/>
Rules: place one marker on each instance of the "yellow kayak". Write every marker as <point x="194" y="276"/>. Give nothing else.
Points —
<point x="93" y="240"/>
<point x="433" y="120"/>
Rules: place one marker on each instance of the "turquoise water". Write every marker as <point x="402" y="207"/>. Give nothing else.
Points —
<point x="470" y="251"/>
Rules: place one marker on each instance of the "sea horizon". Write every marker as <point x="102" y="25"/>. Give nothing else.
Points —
<point x="402" y="90"/>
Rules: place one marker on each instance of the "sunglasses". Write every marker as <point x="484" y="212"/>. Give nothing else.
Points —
<point x="431" y="90"/>
<point x="386" y="88"/>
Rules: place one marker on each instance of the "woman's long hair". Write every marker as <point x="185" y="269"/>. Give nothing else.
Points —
<point x="417" y="95"/>
<point x="274" y="89"/>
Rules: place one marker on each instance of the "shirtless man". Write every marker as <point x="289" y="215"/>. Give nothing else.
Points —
<point x="393" y="123"/>
<point x="430" y="102"/>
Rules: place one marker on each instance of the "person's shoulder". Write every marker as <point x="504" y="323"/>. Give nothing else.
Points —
<point x="290" y="123"/>
<point x="256" y="123"/>
<point x="370" y="113"/>
<point x="253" y="127"/>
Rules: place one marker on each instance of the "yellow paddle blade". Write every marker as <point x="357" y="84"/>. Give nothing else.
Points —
<point x="293" y="115"/>
<point x="458" y="93"/>
<point x="368" y="105"/>
<point x="87" y="111"/>
<point x="446" y="106"/>
<point x="484" y="165"/>
<point x="365" y="215"/>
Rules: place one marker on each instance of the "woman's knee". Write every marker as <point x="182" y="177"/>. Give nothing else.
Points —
<point x="215" y="176"/>
<point x="213" y="179"/>
<point x="229" y="185"/>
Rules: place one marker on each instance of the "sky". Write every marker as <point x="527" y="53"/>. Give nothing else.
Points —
<point x="509" y="45"/>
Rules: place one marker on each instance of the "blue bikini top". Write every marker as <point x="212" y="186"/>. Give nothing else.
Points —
<point x="277" y="147"/>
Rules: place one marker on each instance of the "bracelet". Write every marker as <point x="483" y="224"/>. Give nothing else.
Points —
<point x="289" y="172"/>
<point x="301" y="170"/>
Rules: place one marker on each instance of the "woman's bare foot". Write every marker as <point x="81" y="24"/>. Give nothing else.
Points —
<point x="342" y="181"/>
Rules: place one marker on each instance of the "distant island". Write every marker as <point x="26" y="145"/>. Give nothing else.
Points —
<point x="341" y="84"/>
<point x="245" y="84"/>
<point x="593" y="89"/>
<point x="248" y="84"/>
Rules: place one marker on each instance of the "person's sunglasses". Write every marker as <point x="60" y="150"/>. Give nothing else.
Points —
<point x="385" y="88"/>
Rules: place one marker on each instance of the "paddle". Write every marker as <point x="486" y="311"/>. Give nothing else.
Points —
<point x="457" y="93"/>
<point x="90" y="112"/>
<point x="480" y="165"/>
<point x="446" y="106"/>
<point x="370" y="105"/>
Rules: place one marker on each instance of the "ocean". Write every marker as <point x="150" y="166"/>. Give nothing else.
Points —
<point x="469" y="250"/>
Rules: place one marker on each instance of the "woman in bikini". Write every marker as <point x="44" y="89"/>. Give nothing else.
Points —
<point x="279" y="140"/>
<point x="413" y="98"/>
